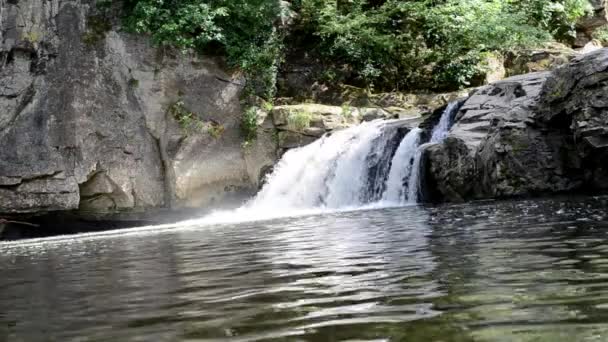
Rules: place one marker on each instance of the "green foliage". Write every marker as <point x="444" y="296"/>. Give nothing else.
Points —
<point x="249" y="124"/>
<point x="185" y="25"/>
<point x="133" y="83"/>
<point x="299" y="119"/>
<point x="97" y="27"/>
<point x="32" y="37"/>
<point x="429" y="43"/>
<point x="191" y="123"/>
<point x="215" y="130"/>
<point x="267" y="106"/>
<point x="187" y="120"/>
<point x="243" y="30"/>
<point x="601" y="34"/>
<point x="557" y="17"/>
<point x="379" y="44"/>
<point x="347" y="111"/>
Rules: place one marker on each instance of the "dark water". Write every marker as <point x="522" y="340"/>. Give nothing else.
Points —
<point x="511" y="271"/>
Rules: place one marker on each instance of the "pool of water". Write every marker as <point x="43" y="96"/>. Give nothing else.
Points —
<point x="493" y="271"/>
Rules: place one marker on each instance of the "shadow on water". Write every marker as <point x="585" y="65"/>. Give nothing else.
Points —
<point x="492" y="271"/>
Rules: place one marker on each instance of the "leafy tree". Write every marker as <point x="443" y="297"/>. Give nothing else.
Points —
<point x="557" y="17"/>
<point x="243" y="30"/>
<point x="389" y="44"/>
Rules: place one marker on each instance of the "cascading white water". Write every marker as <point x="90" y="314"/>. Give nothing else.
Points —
<point x="367" y="166"/>
<point x="441" y="130"/>
<point x="439" y="133"/>
<point x="329" y="173"/>
<point x="351" y="168"/>
<point x="401" y="169"/>
<point x="372" y="165"/>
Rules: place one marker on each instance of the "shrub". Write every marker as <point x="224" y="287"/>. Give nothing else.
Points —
<point x="557" y="17"/>
<point x="379" y="44"/>
<point x="347" y="111"/>
<point x="299" y="119"/>
<point x="191" y="123"/>
<point x="243" y="30"/>
<point x="417" y="44"/>
<point x="215" y="130"/>
<point x="249" y="124"/>
<point x="187" y="120"/>
<point x="97" y="27"/>
<point x="601" y="34"/>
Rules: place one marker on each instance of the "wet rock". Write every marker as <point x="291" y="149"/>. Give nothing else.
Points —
<point x="522" y="136"/>
<point x="289" y="140"/>
<point x="261" y="154"/>
<point x="575" y="99"/>
<point x="371" y="114"/>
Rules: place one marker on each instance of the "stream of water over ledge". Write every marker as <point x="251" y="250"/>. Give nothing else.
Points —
<point x="492" y="271"/>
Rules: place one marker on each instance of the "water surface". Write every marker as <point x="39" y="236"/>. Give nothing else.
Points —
<point x="492" y="271"/>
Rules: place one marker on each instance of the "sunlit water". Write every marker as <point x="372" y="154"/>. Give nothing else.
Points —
<point x="509" y="271"/>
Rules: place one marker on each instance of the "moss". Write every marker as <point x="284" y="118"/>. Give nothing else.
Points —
<point x="519" y="145"/>
<point x="249" y="124"/>
<point x="191" y="123"/>
<point x="97" y="28"/>
<point x="133" y="83"/>
<point x="215" y="130"/>
<point x="347" y="111"/>
<point x="32" y="37"/>
<point x="103" y="4"/>
<point x="275" y="136"/>
<point x="268" y="106"/>
<point x="246" y="145"/>
<point x="601" y="34"/>
<point x="299" y="119"/>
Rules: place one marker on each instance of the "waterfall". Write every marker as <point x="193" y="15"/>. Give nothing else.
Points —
<point x="441" y="130"/>
<point x="439" y="133"/>
<point x="332" y="172"/>
<point x="373" y="163"/>
<point x="402" y="165"/>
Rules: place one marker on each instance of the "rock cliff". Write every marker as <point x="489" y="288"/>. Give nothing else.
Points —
<point x="99" y="122"/>
<point x="86" y="121"/>
<point x="544" y="132"/>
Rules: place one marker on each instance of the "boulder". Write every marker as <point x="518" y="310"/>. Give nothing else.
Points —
<point x="491" y="69"/>
<point x="301" y="124"/>
<point x="261" y="154"/>
<point x="498" y="148"/>
<point x="371" y="114"/>
<point x="587" y="25"/>
<point x="593" y="45"/>
<point x="546" y="58"/>
<point x="544" y="132"/>
<point x="404" y="104"/>
<point x="575" y="99"/>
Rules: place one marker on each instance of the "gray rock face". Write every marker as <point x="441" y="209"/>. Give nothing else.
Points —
<point x="575" y="99"/>
<point x="85" y="123"/>
<point x="586" y="26"/>
<point x="537" y="133"/>
<point x="301" y="124"/>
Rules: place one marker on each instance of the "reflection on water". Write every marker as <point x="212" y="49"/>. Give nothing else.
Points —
<point x="510" y="271"/>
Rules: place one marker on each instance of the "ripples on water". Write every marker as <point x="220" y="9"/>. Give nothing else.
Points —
<point x="511" y="271"/>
